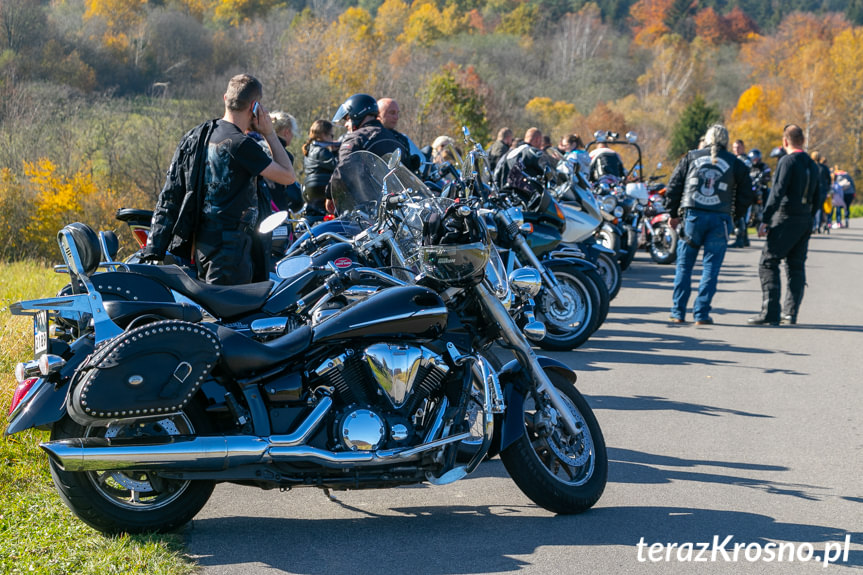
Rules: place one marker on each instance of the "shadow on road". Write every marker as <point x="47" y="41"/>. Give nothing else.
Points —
<point x="628" y="466"/>
<point x="452" y="539"/>
<point x="656" y="403"/>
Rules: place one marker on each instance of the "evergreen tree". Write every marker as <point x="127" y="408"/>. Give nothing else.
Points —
<point x="693" y="122"/>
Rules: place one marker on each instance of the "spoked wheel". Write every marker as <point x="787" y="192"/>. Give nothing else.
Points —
<point x="560" y="472"/>
<point x="125" y="501"/>
<point x="663" y="247"/>
<point x="609" y="271"/>
<point x="568" y="325"/>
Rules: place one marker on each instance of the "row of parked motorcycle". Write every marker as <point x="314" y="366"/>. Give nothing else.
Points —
<point x="373" y="357"/>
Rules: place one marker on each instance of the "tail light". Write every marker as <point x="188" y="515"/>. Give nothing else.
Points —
<point x="140" y="234"/>
<point x="20" y="392"/>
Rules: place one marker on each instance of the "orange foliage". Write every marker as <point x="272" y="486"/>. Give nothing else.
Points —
<point x="710" y="26"/>
<point x="604" y="118"/>
<point x="740" y="26"/>
<point x="649" y="20"/>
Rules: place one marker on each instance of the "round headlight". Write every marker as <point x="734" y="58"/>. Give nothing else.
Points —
<point x="608" y="203"/>
<point x="526" y="281"/>
<point x="618" y="211"/>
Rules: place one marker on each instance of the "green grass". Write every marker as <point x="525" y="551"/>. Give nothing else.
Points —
<point x="38" y="533"/>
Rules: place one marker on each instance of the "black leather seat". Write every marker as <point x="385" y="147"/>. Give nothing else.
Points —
<point x="242" y="355"/>
<point x="134" y="215"/>
<point x="224" y="302"/>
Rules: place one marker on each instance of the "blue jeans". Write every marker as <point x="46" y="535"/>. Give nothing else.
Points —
<point x="710" y="231"/>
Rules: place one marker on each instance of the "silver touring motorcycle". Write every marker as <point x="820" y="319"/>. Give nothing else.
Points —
<point x="394" y="388"/>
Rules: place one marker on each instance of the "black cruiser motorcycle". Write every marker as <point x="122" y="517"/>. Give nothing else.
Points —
<point x="145" y="419"/>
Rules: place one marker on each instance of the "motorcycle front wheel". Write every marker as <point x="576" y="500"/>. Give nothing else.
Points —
<point x="125" y="501"/>
<point x="557" y="471"/>
<point x="609" y="271"/>
<point x="663" y="245"/>
<point x="568" y="325"/>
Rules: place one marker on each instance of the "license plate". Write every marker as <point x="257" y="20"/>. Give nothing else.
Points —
<point x="40" y="334"/>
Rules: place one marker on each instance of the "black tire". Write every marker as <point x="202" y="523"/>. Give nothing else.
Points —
<point x="630" y="246"/>
<point x="609" y="271"/>
<point x="556" y="472"/>
<point x="602" y="295"/>
<point x="570" y="327"/>
<point x="663" y="244"/>
<point x="106" y="500"/>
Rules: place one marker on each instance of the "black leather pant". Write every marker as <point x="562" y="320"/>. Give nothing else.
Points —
<point x="789" y="241"/>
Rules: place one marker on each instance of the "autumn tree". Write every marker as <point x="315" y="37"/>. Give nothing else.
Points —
<point x="349" y="61"/>
<point x="754" y="119"/>
<point x="453" y="98"/>
<point x="693" y="123"/>
<point x="847" y="91"/>
<point x="552" y="116"/>
<point x="710" y="26"/>
<point x="649" y="20"/>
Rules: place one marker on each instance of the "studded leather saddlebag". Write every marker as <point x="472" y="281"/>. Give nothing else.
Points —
<point x="152" y="369"/>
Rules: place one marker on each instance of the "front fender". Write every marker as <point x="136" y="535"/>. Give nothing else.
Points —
<point x="580" y="264"/>
<point x="513" y="377"/>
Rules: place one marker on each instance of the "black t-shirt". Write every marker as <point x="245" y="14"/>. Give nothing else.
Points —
<point x="234" y="160"/>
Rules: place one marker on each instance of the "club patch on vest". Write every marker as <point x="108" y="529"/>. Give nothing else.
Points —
<point x="706" y="180"/>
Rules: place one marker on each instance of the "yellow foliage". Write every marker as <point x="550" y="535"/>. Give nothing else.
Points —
<point x="350" y="60"/>
<point x="391" y="18"/>
<point x="58" y="200"/>
<point x="117" y="14"/>
<point x="753" y="119"/>
<point x="552" y="115"/>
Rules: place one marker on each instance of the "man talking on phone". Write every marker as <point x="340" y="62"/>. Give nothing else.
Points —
<point x="208" y="208"/>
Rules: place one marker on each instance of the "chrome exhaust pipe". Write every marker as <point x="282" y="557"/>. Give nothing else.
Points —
<point x="177" y="452"/>
<point x="339" y="459"/>
<point x="188" y="453"/>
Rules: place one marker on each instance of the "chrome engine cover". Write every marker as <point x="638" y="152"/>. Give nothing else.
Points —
<point x="397" y="367"/>
<point x="362" y="430"/>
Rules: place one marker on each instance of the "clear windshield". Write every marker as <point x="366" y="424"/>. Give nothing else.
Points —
<point x="357" y="183"/>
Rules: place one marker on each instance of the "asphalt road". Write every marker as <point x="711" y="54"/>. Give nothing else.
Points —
<point x="724" y="430"/>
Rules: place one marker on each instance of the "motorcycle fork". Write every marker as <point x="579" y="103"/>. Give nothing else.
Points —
<point x="512" y="336"/>
<point x="547" y="277"/>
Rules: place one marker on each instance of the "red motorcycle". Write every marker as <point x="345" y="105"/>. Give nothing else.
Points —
<point x="655" y="232"/>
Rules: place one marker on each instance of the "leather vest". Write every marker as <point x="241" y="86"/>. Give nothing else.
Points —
<point x="709" y="187"/>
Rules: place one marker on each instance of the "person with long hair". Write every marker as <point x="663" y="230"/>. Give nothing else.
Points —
<point x="319" y="162"/>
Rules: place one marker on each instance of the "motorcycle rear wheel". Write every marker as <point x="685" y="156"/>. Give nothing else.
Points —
<point x="558" y="472"/>
<point x="113" y="501"/>
<point x="630" y="245"/>
<point x="663" y="244"/>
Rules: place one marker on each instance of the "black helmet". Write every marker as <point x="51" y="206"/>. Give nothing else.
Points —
<point x="755" y="155"/>
<point x="356" y="108"/>
<point x="456" y="246"/>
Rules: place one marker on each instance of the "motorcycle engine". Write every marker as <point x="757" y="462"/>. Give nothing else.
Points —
<point x="385" y="391"/>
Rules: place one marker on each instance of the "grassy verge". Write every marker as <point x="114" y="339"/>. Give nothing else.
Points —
<point x="38" y="533"/>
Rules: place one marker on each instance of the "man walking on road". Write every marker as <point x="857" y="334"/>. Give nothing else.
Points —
<point x="787" y="222"/>
<point x="707" y="186"/>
